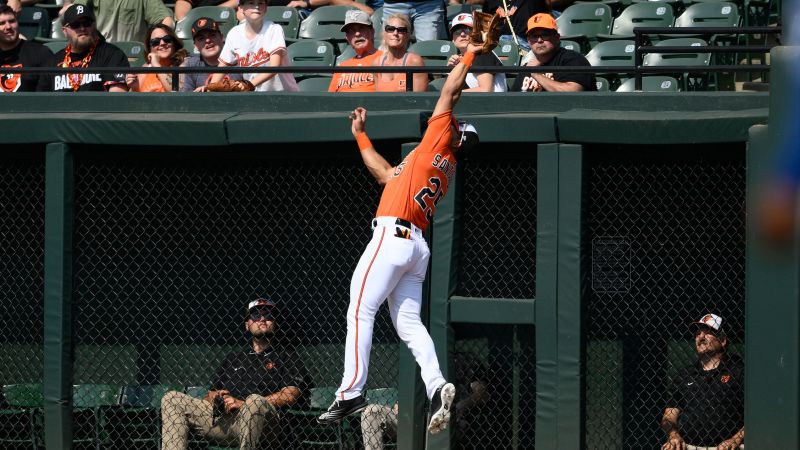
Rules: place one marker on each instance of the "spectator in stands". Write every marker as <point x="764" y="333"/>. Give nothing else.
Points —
<point x="396" y="37"/>
<point x="87" y="48"/>
<point x="127" y="20"/>
<point x="428" y="17"/>
<point x="254" y="385"/>
<point x="361" y="37"/>
<point x="17" y="52"/>
<point x="257" y="42"/>
<point x="208" y="40"/>
<point x="182" y="7"/>
<point x="305" y="7"/>
<point x="460" y="28"/>
<point x="379" y="422"/>
<point x="546" y="50"/>
<point x="163" y="49"/>
<point x="706" y="405"/>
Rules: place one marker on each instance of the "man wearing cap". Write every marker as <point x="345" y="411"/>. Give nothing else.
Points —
<point x="255" y="385"/>
<point x="126" y="20"/>
<point x="208" y="40"/>
<point x="86" y="48"/>
<point x="361" y="36"/>
<point x="706" y="404"/>
<point x="17" y="52"/>
<point x="546" y="49"/>
<point x="460" y="28"/>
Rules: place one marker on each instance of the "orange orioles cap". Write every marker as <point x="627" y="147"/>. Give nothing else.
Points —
<point x="542" y="20"/>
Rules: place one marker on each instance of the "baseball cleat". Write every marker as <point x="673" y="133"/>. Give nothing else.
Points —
<point x="340" y="409"/>
<point x="440" y="407"/>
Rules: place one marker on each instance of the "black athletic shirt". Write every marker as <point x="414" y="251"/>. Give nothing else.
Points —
<point x="564" y="57"/>
<point x="520" y="11"/>
<point x="26" y="54"/>
<point x="105" y="55"/>
<point x="711" y="402"/>
<point x="247" y="372"/>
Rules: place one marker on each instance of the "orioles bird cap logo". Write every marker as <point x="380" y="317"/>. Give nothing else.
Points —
<point x="725" y="378"/>
<point x="536" y="19"/>
<point x="201" y="23"/>
<point x="269" y="365"/>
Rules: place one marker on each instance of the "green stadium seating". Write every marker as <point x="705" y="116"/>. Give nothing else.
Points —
<point x="56" y="46"/>
<point x="651" y="14"/>
<point x="135" y="51"/>
<point x="88" y="410"/>
<point x="314" y="84"/>
<point x="34" y="22"/>
<point x="311" y="53"/>
<point x="137" y="419"/>
<point x="346" y="53"/>
<point x="582" y="22"/>
<point x="508" y="53"/>
<point x="690" y="81"/>
<point x="435" y="52"/>
<point x="602" y="84"/>
<point x="571" y="45"/>
<point x="56" y="31"/>
<point x="21" y="423"/>
<point x="708" y="14"/>
<point x="310" y="434"/>
<point x="324" y="24"/>
<point x="288" y="18"/>
<point x="226" y="17"/>
<point x="613" y="53"/>
<point x="651" y="84"/>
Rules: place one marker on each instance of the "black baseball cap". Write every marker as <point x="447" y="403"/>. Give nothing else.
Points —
<point x="77" y="12"/>
<point x="204" y="23"/>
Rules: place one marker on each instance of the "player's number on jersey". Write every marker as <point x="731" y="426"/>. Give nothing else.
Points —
<point x="433" y="192"/>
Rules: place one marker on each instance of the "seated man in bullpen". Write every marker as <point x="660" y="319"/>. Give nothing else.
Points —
<point x="249" y="391"/>
<point x="706" y="406"/>
<point x="546" y="51"/>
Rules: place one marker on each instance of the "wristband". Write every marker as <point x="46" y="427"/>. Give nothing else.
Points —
<point x="363" y="141"/>
<point x="467" y="59"/>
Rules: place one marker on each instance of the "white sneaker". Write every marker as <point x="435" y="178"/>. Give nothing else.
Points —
<point x="440" y="407"/>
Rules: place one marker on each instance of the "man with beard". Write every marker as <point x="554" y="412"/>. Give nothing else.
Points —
<point x="17" y="52"/>
<point x="86" y="48"/>
<point x="208" y="40"/>
<point x="361" y="36"/>
<point x="126" y="20"/>
<point x="706" y="405"/>
<point x="251" y="388"/>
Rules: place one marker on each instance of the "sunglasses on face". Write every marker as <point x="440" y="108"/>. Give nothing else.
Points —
<point x="461" y="30"/>
<point x="543" y="36"/>
<point x="391" y="29"/>
<point x="80" y="24"/>
<point x="166" y="39"/>
<point x="255" y="316"/>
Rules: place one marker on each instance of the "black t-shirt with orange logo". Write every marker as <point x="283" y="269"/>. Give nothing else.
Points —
<point x="247" y="372"/>
<point x="711" y="402"/>
<point x="26" y="54"/>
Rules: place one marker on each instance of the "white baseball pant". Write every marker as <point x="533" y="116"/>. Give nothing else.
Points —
<point x="391" y="268"/>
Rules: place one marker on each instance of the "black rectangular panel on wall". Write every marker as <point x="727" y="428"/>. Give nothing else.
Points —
<point x="664" y="240"/>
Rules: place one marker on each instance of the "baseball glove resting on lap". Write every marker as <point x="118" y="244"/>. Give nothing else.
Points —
<point x="486" y="31"/>
<point x="227" y="85"/>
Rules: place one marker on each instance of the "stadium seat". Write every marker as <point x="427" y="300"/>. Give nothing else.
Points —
<point x="436" y="85"/>
<point x="346" y="53"/>
<point x="34" y="23"/>
<point x="135" y="52"/>
<point x="651" y="84"/>
<point x="314" y="84"/>
<point x="324" y="24"/>
<point x="88" y="410"/>
<point x="308" y="432"/>
<point x="613" y="53"/>
<point x="435" y="52"/>
<point x="651" y="14"/>
<point x="377" y="25"/>
<point x="311" y="53"/>
<point x="287" y="18"/>
<point x="56" y="46"/>
<point x="56" y="29"/>
<point x="508" y="53"/>
<point x="226" y="17"/>
<point x="582" y="22"/>
<point x="602" y="84"/>
<point x="21" y="422"/>
<point x="690" y="81"/>
<point x="136" y="420"/>
<point x="709" y="14"/>
<point x="677" y="5"/>
<point x="188" y="44"/>
<point x="571" y="45"/>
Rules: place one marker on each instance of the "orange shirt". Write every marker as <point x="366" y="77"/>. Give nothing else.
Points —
<point x="150" y="83"/>
<point x="421" y="180"/>
<point x="355" y="82"/>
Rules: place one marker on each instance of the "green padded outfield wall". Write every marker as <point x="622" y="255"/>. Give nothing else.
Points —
<point x="143" y="223"/>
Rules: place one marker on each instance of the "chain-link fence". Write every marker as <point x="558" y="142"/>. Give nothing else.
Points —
<point x="21" y="287"/>
<point x="665" y="234"/>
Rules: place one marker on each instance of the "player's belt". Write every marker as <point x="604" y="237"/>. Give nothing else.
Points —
<point x="404" y="223"/>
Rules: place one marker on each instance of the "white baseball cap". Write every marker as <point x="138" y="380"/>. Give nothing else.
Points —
<point x="712" y="321"/>
<point x="462" y="19"/>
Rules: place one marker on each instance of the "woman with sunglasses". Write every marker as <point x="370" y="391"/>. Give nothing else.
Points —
<point x="163" y="49"/>
<point x="396" y="38"/>
<point x="460" y="28"/>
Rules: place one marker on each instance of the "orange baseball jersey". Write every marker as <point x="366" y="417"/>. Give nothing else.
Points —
<point x="355" y="82"/>
<point x="421" y="180"/>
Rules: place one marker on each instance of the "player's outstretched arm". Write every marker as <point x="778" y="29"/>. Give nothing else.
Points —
<point x="376" y="164"/>
<point x="451" y="91"/>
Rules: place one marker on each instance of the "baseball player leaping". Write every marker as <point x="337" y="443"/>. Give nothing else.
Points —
<point x="394" y="264"/>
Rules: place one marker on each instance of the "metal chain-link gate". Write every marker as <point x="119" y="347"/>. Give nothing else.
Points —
<point x="665" y="233"/>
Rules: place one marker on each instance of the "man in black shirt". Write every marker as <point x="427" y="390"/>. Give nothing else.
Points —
<point x="17" y="52"/>
<point x="546" y="47"/>
<point x="86" y="48"/>
<point x="706" y="406"/>
<point x="251" y="387"/>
